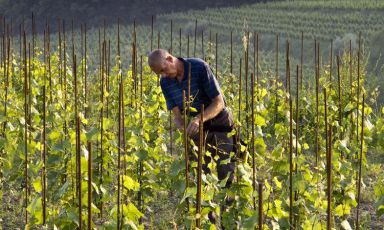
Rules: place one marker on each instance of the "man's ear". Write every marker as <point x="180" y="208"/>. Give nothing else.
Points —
<point x="169" y="58"/>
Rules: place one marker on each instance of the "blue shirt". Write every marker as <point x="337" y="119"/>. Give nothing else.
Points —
<point x="204" y="86"/>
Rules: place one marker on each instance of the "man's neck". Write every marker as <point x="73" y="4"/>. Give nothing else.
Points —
<point x="180" y="70"/>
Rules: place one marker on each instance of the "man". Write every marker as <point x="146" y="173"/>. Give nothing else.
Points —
<point x="205" y="90"/>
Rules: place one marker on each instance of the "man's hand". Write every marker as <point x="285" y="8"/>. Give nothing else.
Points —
<point x="178" y="118"/>
<point x="193" y="127"/>
<point x="210" y="112"/>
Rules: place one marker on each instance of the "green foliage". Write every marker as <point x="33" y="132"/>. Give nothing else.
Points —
<point x="147" y="167"/>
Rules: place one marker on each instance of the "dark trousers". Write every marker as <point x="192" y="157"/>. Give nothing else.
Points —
<point x="218" y="144"/>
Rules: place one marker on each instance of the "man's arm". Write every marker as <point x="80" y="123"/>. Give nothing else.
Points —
<point x="216" y="106"/>
<point x="178" y="118"/>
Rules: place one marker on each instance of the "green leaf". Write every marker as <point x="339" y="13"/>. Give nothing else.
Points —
<point x="133" y="140"/>
<point x="63" y="189"/>
<point x="339" y="210"/>
<point x="132" y="225"/>
<point x="130" y="184"/>
<point x="212" y="227"/>
<point x="142" y="154"/>
<point x="226" y="161"/>
<point x="54" y="135"/>
<point x="260" y="145"/>
<point x="243" y="148"/>
<point x="74" y="217"/>
<point x="179" y="186"/>
<point x="103" y="190"/>
<point x="192" y="109"/>
<point x="380" y="206"/>
<point x="250" y="222"/>
<point x="260" y="121"/>
<point x="94" y="208"/>
<point x="107" y="123"/>
<point x="380" y="210"/>
<point x="95" y="188"/>
<point x="189" y="192"/>
<point x="131" y="212"/>
<point x="2" y="142"/>
<point x="37" y="185"/>
<point x="3" y="118"/>
<point x="36" y="209"/>
<point x="349" y="107"/>
<point x="92" y="134"/>
<point x="177" y="167"/>
<point x="342" y="145"/>
<point x="54" y="159"/>
<point x="233" y="132"/>
<point x="298" y="182"/>
<point x="277" y="183"/>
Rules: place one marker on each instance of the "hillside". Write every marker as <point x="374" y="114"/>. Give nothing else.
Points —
<point x="93" y="12"/>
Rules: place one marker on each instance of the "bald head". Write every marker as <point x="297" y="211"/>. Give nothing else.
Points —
<point x="157" y="57"/>
<point x="163" y="63"/>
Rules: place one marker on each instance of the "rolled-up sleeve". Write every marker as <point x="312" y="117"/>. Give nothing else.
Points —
<point x="210" y="84"/>
<point x="168" y="98"/>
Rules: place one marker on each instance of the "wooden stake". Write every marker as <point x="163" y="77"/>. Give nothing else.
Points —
<point x="170" y="49"/>
<point x="301" y="60"/>
<point x="329" y="179"/>
<point x="44" y="154"/>
<point x="119" y="154"/>
<point x="276" y="80"/>
<point x="180" y="42"/>
<point x="331" y="64"/>
<point x="78" y="154"/>
<point x="185" y="143"/>
<point x="199" y="168"/>
<point x="25" y="126"/>
<point x="240" y="92"/>
<point x="187" y="45"/>
<point x="327" y="156"/>
<point x="217" y="57"/>
<point x="194" y="47"/>
<point x="253" y="139"/>
<point x="202" y="45"/>
<point x="360" y="164"/>
<point x="89" y="185"/>
<point x="85" y="73"/>
<point x="231" y="67"/>
<point x="287" y="80"/>
<point x="339" y="91"/>
<point x="152" y="34"/>
<point x="317" y="103"/>
<point x="290" y="165"/>
<point x="257" y="66"/>
<point x="260" y="191"/>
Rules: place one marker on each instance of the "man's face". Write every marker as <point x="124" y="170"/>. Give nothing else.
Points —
<point x="166" y="68"/>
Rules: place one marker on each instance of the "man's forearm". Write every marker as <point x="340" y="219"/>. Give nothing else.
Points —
<point x="211" y="111"/>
